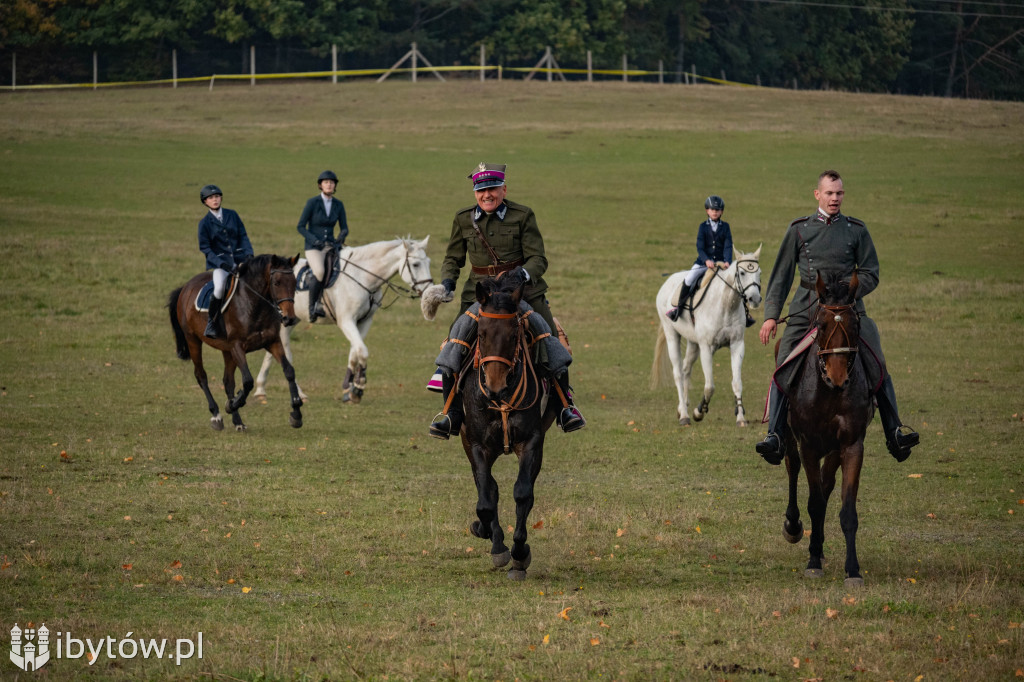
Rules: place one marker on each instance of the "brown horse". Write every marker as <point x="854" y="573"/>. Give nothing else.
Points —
<point x="830" y="409"/>
<point x="263" y="300"/>
<point x="503" y="398"/>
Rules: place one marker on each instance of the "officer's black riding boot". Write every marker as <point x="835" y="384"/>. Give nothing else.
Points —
<point x="898" y="443"/>
<point x="215" y="323"/>
<point x="449" y="421"/>
<point x="569" y="419"/>
<point x="315" y="287"/>
<point x="684" y="293"/>
<point x="772" y="448"/>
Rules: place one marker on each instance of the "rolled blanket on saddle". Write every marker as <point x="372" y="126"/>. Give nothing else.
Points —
<point x="548" y="353"/>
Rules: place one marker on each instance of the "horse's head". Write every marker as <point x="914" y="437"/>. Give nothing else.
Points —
<point x="415" y="271"/>
<point x="838" y="325"/>
<point x="274" y="277"/>
<point x="748" y="275"/>
<point x="499" y="331"/>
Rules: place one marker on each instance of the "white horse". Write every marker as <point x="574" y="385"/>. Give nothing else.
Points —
<point x="719" y="320"/>
<point x="354" y="298"/>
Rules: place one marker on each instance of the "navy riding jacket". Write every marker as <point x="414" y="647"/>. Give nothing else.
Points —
<point x="316" y="226"/>
<point x="225" y="243"/>
<point x="714" y="246"/>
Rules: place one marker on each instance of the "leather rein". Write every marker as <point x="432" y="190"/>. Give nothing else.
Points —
<point x="276" y="304"/>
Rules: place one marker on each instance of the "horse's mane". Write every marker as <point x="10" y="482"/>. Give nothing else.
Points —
<point x="837" y="286"/>
<point x="255" y="267"/>
<point x="503" y="290"/>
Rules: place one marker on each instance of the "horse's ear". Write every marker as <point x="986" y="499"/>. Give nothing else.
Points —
<point x="757" y="254"/>
<point x="295" y="260"/>
<point x="423" y="243"/>
<point x="854" y="283"/>
<point x="736" y="254"/>
<point x="819" y="286"/>
<point x="484" y="289"/>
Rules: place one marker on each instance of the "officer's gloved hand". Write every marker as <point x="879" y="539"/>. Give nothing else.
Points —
<point x="523" y="273"/>
<point x="449" y="289"/>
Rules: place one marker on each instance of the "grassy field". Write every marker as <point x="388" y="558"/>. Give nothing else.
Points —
<point x="342" y="551"/>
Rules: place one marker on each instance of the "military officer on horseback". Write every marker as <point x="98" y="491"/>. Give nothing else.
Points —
<point x="827" y="240"/>
<point x="497" y="236"/>
<point x="224" y="242"/>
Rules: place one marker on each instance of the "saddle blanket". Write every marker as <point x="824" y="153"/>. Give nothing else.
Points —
<point x="206" y="293"/>
<point x="333" y="265"/>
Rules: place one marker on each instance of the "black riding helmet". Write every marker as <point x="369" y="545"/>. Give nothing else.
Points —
<point x="208" y="191"/>
<point x="714" y="202"/>
<point x="326" y="175"/>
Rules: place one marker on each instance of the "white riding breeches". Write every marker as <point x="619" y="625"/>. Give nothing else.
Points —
<point x="695" y="273"/>
<point x="220" y="282"/>
<point x="315" y="258"/>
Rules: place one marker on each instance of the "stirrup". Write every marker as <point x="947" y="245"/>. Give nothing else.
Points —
<point x="674" y="314"/>
<point x="437" y="427"/>
<point x="573" y="422"/>
<point x="899" y="444"/>
<point x="770" y="449"/>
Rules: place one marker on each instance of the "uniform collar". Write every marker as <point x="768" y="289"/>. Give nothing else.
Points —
<point x="501" y="211"/>
<point x="828" y="220"/>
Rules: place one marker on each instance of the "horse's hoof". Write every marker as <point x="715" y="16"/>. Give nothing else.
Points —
<point x="685" y="421"/>
<point x="357" y="395"/>
<point x="853" y="583"/>
<point x="814" y="573"/>
<point x="514" y="574"/>
<point x="524" y="564"/>
<point x="741" y="423"/>
<point x="217" y="423"/>
<point x="796" y="535"/>
<point x="697" y="415"/>
<point x="477" y="529"/>
<point x="296" y="422"/>
<point x="240" y="428"/>
<point x="502" y="559"/>
<point x="346" y="396"/>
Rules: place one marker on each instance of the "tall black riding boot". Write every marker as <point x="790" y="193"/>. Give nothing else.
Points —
<point x="569" y="419"/>
<point x="315" y="288"/>
<point x="897" y="442"/>
<point x="684" y="293"/>
<point x="449" y="421"/>
<point x="215" y="323"/>
<point x="772" y="448"/>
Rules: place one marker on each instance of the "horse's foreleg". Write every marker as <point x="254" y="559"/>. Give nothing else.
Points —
<point x="531" y="455"/>
<point x="230" y="365"/>
<point x="737" y="350"/>
<point x="261" y="376"/>
<point x="816" y="510"/>
<point x="852" y="460"/>
<point x="706" y="363"/>
<point x="487" y="525"/>
<point x="195" y="349"/>
<point x="792" y="527"/>
<point x="238" y="401"/>
<point x="295" y="418"/>
<point x="355" y="376"/>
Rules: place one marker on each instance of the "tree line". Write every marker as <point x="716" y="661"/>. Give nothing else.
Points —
<point x="952" y="48"/>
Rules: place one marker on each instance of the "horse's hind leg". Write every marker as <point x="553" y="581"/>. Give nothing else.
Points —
<point x="487" y="525"/>
<point x="852" y="459"/>
<point x="238" y="354"/>
<point x="530" y="459"/>
<point x="195" y="349"/>
<point x="707" y="364"/>
<point x="229" y="389"/>
<point x="737" y="351"/>
<point x="792" y="527"/>
<point x="682" y="366"/>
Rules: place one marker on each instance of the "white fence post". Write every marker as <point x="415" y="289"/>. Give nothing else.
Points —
<point x="661" y="72"/>
<point x="14" y="70"/>
<point x="174" y="66"/>
<point x="590" y="67"/>
<point x="693" y="70"/>
<point x="414" y="53"/>
<point x="334" y="63"/>
<point x="252" y="65"/>
<point x="483" y="61"/>
<point x="625" y="65"/>
<point x="548" y="59"/>
<point x="95" y="69"/>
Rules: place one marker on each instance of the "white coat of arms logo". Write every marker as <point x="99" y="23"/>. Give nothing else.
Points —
<point x="30" y="648"/>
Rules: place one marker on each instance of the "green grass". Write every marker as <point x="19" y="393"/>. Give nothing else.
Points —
<point x="352" y="533"/>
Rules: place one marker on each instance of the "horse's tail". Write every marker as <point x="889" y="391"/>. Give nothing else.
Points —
<point x="179" y="334"/>
<point x="661" y="370"/>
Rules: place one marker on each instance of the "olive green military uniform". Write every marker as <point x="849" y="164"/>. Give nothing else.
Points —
<point x="812" y="244"/>
<point x="512" y="232"/>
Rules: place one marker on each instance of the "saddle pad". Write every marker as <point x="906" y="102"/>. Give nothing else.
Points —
<point x="306" y="273"/>
<point x="206" y="293"/>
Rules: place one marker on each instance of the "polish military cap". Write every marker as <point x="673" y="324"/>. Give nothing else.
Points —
<point x="488" y="175"/>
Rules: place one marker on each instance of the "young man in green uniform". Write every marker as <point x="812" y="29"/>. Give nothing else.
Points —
<point x="827" y="240"/>
<point x="496" y="236"/>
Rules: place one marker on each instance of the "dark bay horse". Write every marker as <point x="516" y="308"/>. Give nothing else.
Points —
<point x="263" y="300"/>
<point x="502" y="398"/>
<point x="829" y="412"/>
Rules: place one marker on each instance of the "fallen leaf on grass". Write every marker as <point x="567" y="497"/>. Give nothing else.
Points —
<point x="796" y="662"/>
<point x="246" y="590"/>
<point x="127" y="518"/>
<point x="176" y="564"/>
<point x="231" y="581"/>
<point x="538" y="525"/>
<point x="1014" y="626"/>
<point x="912" y="581"/>
<point x="620" y="532"/>
<point x="564" y="613"/>
<point x="777" y="614"/>
<point x="932" y="516"/>
<point x="126" y="567"/>
<point x="469" y="549"/>
<point x="547" y="639"/>
<point x="914" y="475"/>
<point x="697" y="528"/>
<point x="832" y="613"/>
<point x="594" y="641"/>
<point x="178" y="578"/>
<point x="849" y="601"/>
